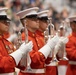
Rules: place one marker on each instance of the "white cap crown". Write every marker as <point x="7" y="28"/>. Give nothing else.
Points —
<point x="2" y="11"/>
<point x="27" y="12"/>
<point x="43" y="13"/>
<point x="72" y="18"/>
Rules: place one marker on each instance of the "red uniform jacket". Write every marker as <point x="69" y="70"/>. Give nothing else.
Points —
<point x="71" y="54"/>
<point x="40" y="36"/>
<point x="50" y="70"/>
<point x="37" y="58"/>
<point x="7" y="63"/>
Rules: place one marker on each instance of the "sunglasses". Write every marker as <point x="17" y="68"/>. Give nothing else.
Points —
<point x="46" y="21"/>
<point x="34" y="19"/>
<point x="73" y="22"/>
<point x="5" y="22"/>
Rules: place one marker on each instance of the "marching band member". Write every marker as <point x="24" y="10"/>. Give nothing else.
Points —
<point x="71" y="48"/>
<point x="8" y="58"/>
<point x="59" y="49"/>
<point x="51" y="64"/>
<point x="37" y="55"/>
<point x="43" y="24"/>
<point x="63" y="61"/>
<point x="63" y="66"/>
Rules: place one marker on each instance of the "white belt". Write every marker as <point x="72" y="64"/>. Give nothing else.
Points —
<point x="7" y="73"/>
<point x="62" y="70"/>
<point x="52" y="64"/>
<point x="34" y="71"/>
<point x="72" y="62"/>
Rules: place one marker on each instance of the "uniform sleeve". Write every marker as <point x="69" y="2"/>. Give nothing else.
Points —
<point x="71" y="50"/>
<point x="6" y="62"/>
<point x="37" y="58"/>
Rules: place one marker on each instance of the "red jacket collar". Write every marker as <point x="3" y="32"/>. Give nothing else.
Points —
<point x="40" y="33"/>
<point x="31" y="34"/>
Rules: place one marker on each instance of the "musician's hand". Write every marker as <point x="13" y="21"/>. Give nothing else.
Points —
<point x="63" y="39"/>
<point x="12" y="37"/>
<point x="26" y="47"/>
<point x="46" y="49"/>
<point x="60" y="47"/>
<point x="23" y="49"/>
<point x="52" y="42"/>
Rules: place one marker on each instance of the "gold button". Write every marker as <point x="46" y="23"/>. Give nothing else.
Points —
<point x="33" y="35"/>
<point x="0" y="36"/>
<point x="38" y="45"/>
<point x="41" y="54"/>
<point x="37" y="39"/>
<point x="42" y="34"/>
<point x="11" y="59"/>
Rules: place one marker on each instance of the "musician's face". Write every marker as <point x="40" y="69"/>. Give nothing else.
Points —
<point x="73" y="26"/>
<point x="43" y="25"/>
<point x="62" y="32"/>
<point x="4" y="26"/>
<point x="33" y="23"/>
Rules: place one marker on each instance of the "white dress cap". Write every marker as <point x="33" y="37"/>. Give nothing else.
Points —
<point x="43" y="13"/>
<point x="3" y="14"/>
<point x="61" y="27"/>
<point x="28" y="12"/>
<point x="3" y="11"/>
<point x="72" y="18"/>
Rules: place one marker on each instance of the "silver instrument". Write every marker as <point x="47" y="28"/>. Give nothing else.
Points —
<point x="28" y="68"/>
<point x="52" y="34"/>
<point x="19" y="40"/>
<point x="64" y="53"/>
<point x="49" y="32"/>
<point x="26" y="34"/>
<point x="25" y="61"/>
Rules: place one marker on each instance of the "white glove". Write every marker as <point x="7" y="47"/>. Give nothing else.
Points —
<point x="12" y="37"/>
<point x="59" y="48"/>
<point x="52" y="42"/>
<point x="49" y="46"/>
<point x="24" y="49"/>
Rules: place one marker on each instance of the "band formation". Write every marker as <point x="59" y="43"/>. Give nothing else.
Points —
<point x="39" y="49"/>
